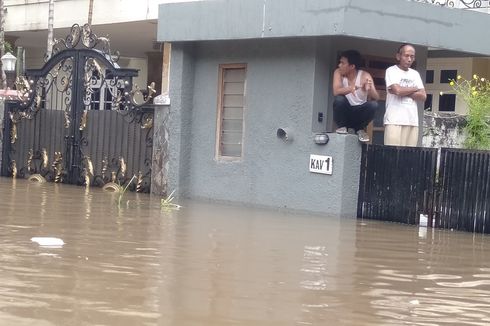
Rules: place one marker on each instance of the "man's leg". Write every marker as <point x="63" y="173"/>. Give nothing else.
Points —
<point x="393" y="134"/>
<point x="341" y="107"/>
<point x="362" y="115"/>
<point x="409" y="136"/>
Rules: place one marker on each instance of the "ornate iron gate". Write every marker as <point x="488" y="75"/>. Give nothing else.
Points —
<point x="78" y="119"/>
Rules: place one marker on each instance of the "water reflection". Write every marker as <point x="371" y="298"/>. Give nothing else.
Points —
<point x="221" y="265"/>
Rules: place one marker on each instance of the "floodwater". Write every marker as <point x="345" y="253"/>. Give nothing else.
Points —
<point x="210" y="264"/>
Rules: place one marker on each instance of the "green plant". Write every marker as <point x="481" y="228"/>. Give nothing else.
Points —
<point x="475" y="93"/>
<point x="9" y="47"/>
<point x="166" y="203"/>
<point x="122" y="191"/>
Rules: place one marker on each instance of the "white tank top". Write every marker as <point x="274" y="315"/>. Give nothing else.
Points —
<point x="359" y="96"/>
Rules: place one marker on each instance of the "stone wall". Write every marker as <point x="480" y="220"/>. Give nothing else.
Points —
<point x="443" y="130"/>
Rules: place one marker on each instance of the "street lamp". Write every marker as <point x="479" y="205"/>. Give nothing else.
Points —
<point x="8" y="62"/>
<point x="8" y="66"/>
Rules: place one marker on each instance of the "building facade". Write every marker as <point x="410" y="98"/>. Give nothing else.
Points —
<point x="250" y="103"/>
<point x="250" y="92"/>
<point x="130" y="26"/>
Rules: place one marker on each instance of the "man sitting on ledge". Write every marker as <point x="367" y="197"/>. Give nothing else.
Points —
<point x="355" y="96"/>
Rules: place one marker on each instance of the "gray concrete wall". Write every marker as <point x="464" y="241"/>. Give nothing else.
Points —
<point x="394" y="20"/>
<point x="159" y="162"/>
<point x="287" y="85"/>
<point x="280" y="93"/>
<point x="180" y="117"/>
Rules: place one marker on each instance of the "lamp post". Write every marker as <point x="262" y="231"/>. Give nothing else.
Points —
<point x="8" y="66"/>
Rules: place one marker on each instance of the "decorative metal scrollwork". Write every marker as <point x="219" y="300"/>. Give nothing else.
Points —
<point x="462" y="4"/>
<point x="104" y="167"/>
<point x="32" y="92"/>
<point x="442" y="3"/>
<point x="53" y="94"/>
<point x="67" y="119"/>
<point x="13" y="129"/>
<point x="147" y="122"/>
<point x="87" y="171"/>
<point x="44" y="159"/>
<point x="29" y="163"/>
<point x="117" y="177"/>
<point x="37" y="166"/>
<point x="89" y="40"/>
<point x="122" y="167"/>
<point x="13" y="166"/>
<point x="83" y="120"/>
<point x="58" y="167"/>
<point x="139" y="182"/>
<point x="475" y="4"/>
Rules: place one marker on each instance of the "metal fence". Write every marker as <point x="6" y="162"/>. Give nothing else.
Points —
<point x="450" y="187"/>
<point x="463" y="199"/>
<point x="397" y="183"/>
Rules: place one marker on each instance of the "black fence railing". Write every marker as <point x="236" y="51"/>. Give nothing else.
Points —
<point x="463" y="201"/>
<point x="397" y="183"/>
<point x="450" y="188"/>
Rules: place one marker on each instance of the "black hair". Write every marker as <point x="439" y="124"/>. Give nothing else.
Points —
<point x="404" y="45"/>
<point x="353" y="57"/>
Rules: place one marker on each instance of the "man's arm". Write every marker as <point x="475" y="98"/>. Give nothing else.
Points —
<point x="419" y="95"/>
<point x="402" y="91"/>
<point x="416" y="93"/>
<point x="337" y="87"/>
<point x="369" y="87"/>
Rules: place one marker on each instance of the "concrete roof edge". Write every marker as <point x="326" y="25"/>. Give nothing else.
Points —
<point x="395" y="20"/>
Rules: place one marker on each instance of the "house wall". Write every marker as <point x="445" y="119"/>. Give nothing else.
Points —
<point x="464" y="67"/>
<point x="287" y="85"/>
<point x="32" y="14"/>
<point x="280" y="93"/>
<point x="481" y="67"/>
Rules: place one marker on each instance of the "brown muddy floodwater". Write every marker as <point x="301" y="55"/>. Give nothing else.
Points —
<point x="210" y="264"/>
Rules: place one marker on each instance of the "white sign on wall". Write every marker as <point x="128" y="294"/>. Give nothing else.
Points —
<point x="321" y="164"/>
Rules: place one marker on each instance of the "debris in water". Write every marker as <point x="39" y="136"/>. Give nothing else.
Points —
<point x="48" y="242"/>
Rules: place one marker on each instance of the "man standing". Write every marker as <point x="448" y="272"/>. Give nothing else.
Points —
<point x="405" y="89"/>
<point x="355" y="96"/>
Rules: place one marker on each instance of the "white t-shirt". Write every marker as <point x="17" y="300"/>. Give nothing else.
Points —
<point x="360" y="95"/>
<point x="401" y="110"/>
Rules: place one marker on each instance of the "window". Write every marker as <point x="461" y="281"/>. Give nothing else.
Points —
<point x="448" y="75"/>
<point x="428" y="102"/>
<point x="447" y="102"/>
<point x="429" y="76"/>
<point x="231" y="102"/>
<point x="104" y="92"/>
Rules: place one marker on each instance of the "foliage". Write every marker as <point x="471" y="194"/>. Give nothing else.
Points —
<point x="122" y="191"/>
<point x="9" y="48"/>
<point x="166" y="203"/>
<point x="475" y="93"/>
